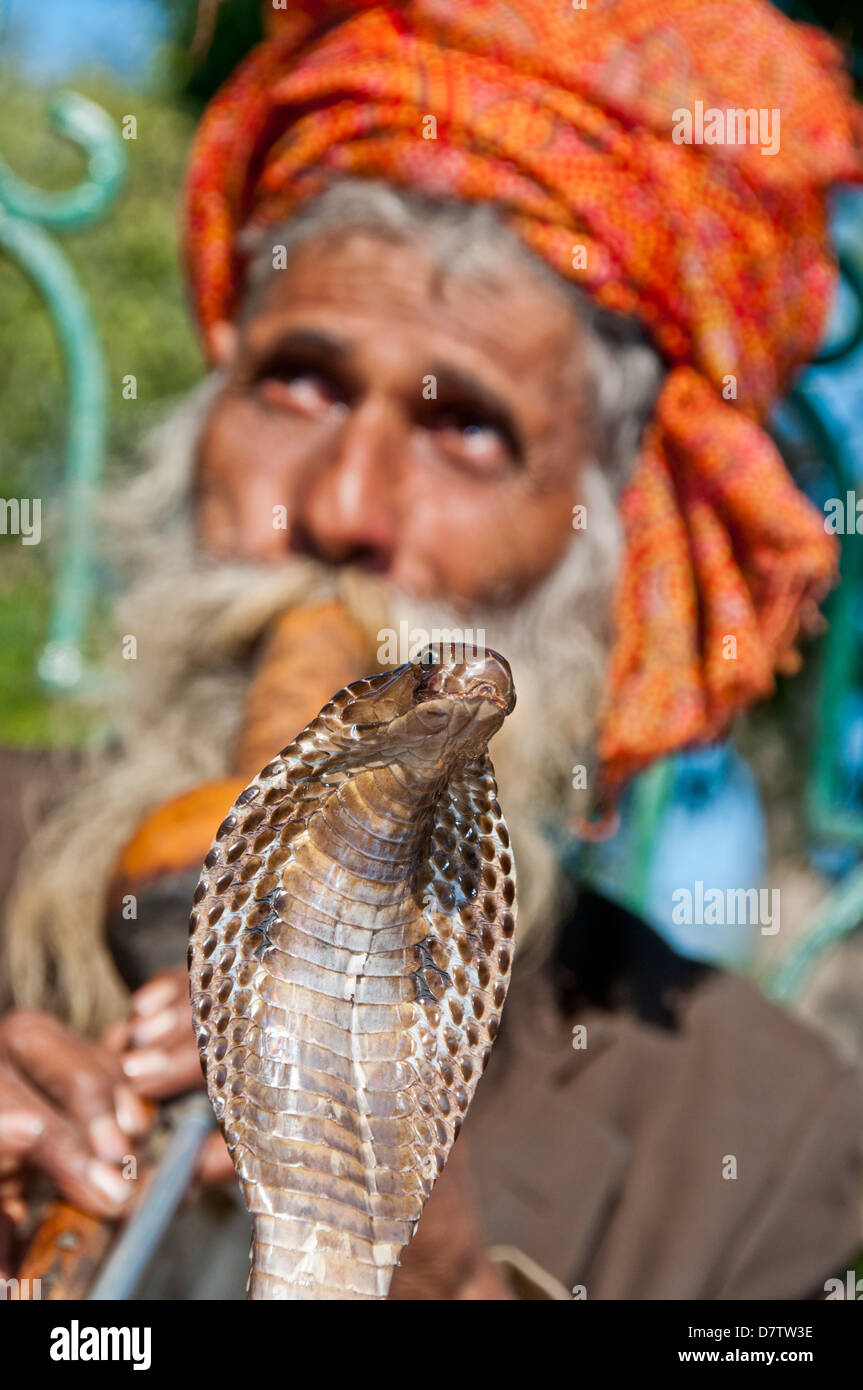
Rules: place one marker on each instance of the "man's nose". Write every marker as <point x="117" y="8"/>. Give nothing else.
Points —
<point x="348" y="512"/>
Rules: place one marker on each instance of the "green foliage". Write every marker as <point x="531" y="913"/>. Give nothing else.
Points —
<point x="28" y="717"/>
<point x="129" y="269"/>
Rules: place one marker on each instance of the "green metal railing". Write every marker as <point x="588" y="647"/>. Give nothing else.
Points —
<point x="27" y="216"/>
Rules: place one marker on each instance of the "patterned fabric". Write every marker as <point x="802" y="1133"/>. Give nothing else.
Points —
<point x="565" y="119"/>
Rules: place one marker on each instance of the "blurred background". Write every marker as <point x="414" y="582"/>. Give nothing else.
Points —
<point x="92" y="296"/>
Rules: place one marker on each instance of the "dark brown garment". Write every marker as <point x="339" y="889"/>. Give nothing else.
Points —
<point x="606" y="1165"/>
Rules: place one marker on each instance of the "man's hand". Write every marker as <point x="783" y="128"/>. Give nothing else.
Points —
<point x="66" y="1111"/>
<point x="155" y="1045"/>
<point x="157" y="1050"/>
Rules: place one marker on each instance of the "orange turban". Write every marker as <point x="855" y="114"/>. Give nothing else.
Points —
<point x="568" y="119"/>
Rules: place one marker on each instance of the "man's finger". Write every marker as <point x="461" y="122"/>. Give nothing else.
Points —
<point x="85" y="1181"/>
<point x="163" y="1029"/>
<point x="77" y="1075"/>
<point x="134" y="1115"/>
<point x="158" y="1073"/>
<point x="19" y="1131"/>
<point x="36" y="1135"/>
<point x="12" y="1203"/>
<point x="117" y="1036"/>
<point x="164" y="991"/>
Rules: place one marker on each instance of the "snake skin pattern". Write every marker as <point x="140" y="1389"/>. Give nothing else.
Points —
<point x="351" y="946"/>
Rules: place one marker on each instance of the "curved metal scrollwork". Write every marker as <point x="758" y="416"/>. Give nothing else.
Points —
<point x="26" y="215"/>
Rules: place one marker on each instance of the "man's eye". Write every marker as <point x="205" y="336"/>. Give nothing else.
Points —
<point x="307" y="393"/>
<point x="472" y="440"/>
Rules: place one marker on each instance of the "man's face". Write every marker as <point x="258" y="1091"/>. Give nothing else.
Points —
<point x="420" y="425"/>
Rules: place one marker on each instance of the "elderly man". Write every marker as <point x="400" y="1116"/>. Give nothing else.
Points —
<point x="492" y="350"/>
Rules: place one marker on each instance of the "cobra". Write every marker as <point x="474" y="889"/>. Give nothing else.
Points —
<point x="351" y="947"/>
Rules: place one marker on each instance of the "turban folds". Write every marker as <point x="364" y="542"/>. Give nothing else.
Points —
<point x="565" y="119"/>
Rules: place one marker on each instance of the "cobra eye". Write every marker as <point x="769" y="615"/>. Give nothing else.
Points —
<point x="428" y="657"/>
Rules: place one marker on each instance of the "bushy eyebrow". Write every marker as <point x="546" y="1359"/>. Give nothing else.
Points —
<point x="454" y="385"/>
<point x="310" y="342"/>
<point x="315" y="340"/>
<point x="305" y="348"/>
